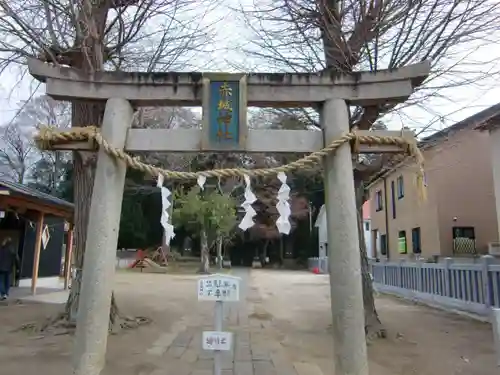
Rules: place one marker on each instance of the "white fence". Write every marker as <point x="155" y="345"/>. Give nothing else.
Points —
<point x="473" y="288"/>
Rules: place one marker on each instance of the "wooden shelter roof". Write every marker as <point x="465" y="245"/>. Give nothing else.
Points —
<point x="18" y="197"/>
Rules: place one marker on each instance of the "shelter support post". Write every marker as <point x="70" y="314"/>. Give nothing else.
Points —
<point x="100" y="250"/>
<point x="38" y="249"/>
<point x="68" y="257"/>
<point x="350" y="354"/>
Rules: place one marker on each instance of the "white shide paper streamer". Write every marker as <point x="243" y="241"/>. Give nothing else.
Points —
<point x="247" y="221"/>
<point x="201" y="182"/>
<point x="165" y="204"/>
<point x="283" y="207"/>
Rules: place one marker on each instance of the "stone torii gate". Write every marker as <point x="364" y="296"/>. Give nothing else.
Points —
<point x="332" y="94"/>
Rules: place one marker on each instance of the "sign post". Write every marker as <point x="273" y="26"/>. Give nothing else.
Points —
<point x="218" y="288"/>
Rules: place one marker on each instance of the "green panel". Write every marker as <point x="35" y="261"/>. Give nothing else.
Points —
<point x="402" y="245"/>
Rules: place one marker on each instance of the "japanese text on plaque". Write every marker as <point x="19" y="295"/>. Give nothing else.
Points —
<point x="224" y="112"/>
<point x="213" y="340"/>
<point x="218" y="289"/>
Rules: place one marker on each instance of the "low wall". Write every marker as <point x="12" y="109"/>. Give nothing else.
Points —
<point x="54" y="282"/>
<point x="124" y="262"/>
<point x="319" y="263"/>
<point x="125" y="258"/>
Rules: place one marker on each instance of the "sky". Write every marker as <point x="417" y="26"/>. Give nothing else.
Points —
<point x="452" y="106"/>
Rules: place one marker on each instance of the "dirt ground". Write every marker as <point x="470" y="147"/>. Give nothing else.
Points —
<point x="421" y="340"/>
<point x="288" y="320"/>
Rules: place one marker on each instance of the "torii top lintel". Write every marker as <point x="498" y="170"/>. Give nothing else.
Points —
<point x="263" y="89"/>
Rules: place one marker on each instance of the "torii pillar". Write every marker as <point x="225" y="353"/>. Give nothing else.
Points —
<point x="330" y="92"/>
<point x="346" y="292"/>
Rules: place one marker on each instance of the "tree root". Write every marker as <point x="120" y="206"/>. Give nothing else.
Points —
<point x="374" y="332"/>
<point x="123" y="322"/>
<point x="61" y="325"/>
<point x="374" y="329"/>
<point x="55" y="326"/>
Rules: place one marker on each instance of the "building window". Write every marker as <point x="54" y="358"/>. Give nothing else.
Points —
<point x="379" y="202"/>
<point x="416" y="241"/>
<point x="367" y="226"/>
<point x="393" y="200"/>
<point x="403" y="249"/>
<point x="465" y="232"/>
<point x="464" y="240"/>
<point x="383" y="244"/>
<point x="401" y="187"/>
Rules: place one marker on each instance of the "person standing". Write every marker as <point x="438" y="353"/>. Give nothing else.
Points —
<point x="8" y="259"/>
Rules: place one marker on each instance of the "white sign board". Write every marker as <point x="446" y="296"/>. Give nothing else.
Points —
<point x="213" y="340"/>
<point x="219" y="288"/>
<point x="45" y="236"/>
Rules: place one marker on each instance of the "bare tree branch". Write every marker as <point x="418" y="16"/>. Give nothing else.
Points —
<point x="347" y="36"/>
<point x="97" y="35"/>
<point x="138" y="35"/>
<point x="17" y="153"/>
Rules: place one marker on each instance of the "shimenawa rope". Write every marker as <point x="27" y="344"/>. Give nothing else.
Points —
<point x="48" y="137"/>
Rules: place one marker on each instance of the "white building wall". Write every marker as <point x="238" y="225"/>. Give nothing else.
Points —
<point x="367" y="234"/>
<point x="321" y="224"/>
<point x="322" y="233"/>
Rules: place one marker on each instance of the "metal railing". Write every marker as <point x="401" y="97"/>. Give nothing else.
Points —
<point x="462" y="245"/>
<point x="473" y="288"/>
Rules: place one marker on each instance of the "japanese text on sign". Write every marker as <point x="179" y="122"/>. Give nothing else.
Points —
<point x="224" y="112"/>
<point x="213" y="340"/>
<point x="218" y="288"/>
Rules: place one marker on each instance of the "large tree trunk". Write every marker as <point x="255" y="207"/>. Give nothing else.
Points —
<point x="83" y="114"/>
<point x="219" y="252"/>
<point x="91" y="19"/>
<point x="205" y="253"/>
<point x="84" y="164"/>
<point x="373" y="325"/>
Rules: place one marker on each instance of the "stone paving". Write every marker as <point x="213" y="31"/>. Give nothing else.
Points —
<point x="179" y="351"/>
